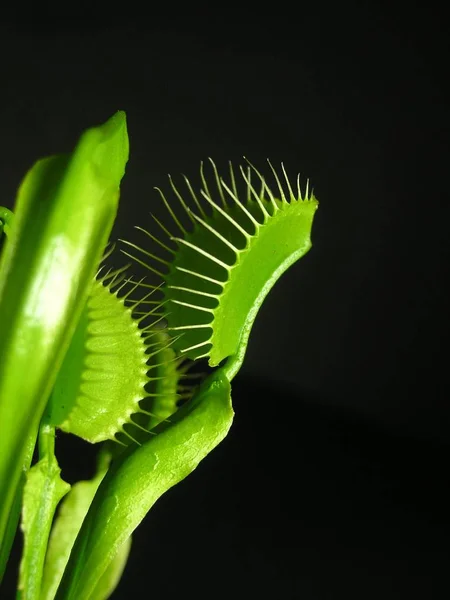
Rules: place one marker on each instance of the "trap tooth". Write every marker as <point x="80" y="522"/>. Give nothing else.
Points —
<point x="162" y="389"/>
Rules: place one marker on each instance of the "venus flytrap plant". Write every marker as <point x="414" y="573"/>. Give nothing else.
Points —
<point x="121" y="374"/>
<point x="141" y="475"/>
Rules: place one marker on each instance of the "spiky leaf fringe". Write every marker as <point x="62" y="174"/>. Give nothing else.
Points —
<point x="226" y="257"/>
<point x="119" y="377"/>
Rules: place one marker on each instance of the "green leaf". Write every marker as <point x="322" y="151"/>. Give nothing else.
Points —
<point x="139" y="477"/>
<point x="64" y="213"/>
<point x="70" y="517"/>
<point x="43" y="490"/>
<point x="14" y="514"/>
<point x="111" y="577"/>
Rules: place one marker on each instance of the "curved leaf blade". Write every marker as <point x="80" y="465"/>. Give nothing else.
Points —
<point x="139" y="477"/>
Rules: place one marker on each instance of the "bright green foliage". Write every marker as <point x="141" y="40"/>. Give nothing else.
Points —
<point x="72" y="511"/>
<point x="224" y="265"/>
<point x="110" y="358"/>
<point x="63" y="216"/>
<point x="139" y="477"/>
<point x="111" y="577"/>
<point x="102" y="378"/>
<point x="44" y="489"/>
<point x="101" y="390"/>
<point x="169" y="378"/>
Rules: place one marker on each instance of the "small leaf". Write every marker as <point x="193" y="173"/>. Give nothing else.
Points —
<point x="139" y="477"/>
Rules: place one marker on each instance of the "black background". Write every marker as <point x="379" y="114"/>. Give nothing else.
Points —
<point x="333" y="482"/>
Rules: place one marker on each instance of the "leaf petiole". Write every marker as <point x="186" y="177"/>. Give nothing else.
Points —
<point x="43" y="490"/>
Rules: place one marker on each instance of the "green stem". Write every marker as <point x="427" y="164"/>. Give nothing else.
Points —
<point x="46" y="441"/>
